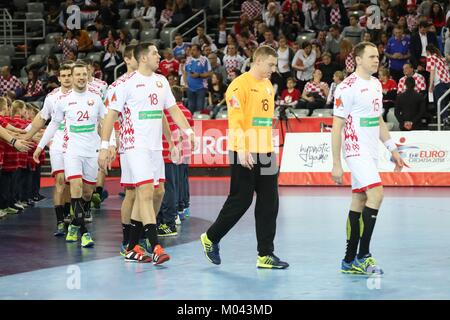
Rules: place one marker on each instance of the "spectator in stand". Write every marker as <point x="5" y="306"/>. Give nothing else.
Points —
<point x="390" y="20"/>
<point x="221" y="36"/>
<point x="52" y="67"/>
<point x="231" y="40"/>
<point x="216" y="67"/>
<point x="285" y="56"/>
<point x="402" y="23"/>
<point x="113" y="37"/>
<point x="180" y="47"/>
<point x="419" y="42"/>
<point x="64" y="15"/>
<point x="389" y="87"/>
<point x="425" y="8"/>
<point x="296" y="18"/>
<point x="338" y="77"/>
<point x="328" y="68"/>
<point x="169" y="64"/>
<point x="303" y="63"/>
<point x="315" y="17"/>
<point x="291" y="95"/>
<point x="204" y="42"/>
<point x="246" y="44"/>
<point x="286" y="5"/>
<point x="419" y="80"/>
<point x="52" y="20"/>
<point x="9" y="85"/>
<point x="412" y="19"/>
<point x="111" y="60"/>
<point x="353" y="32"/>
<point x="241" y="23"/>
<point x="216" y="94"/>
<point x="196" y="72"/>
<point x="233" y="75"/>
<point x="145" y="15"/>
<point x="72" y="55"/>
<point x="336" y="13"/>
<point x="166" y="15"/>
<point x="98" y="73"/>
<point x="200" y="33"/>
<point x="333" y="41"/>
<point x="410" y="107"/>
<point x="260" y="30"/>
<point x="85" y="43"/>
<point x="182" y="11"/>
<point x="284" y="29"/>
<point x="269" y="40"/>
<point x="124" y="39"/>
<point x="68" y="43"/>
<point x="101" y="33"/>
<point x="109" y="12"/>
<point x="397" y="51"/>
<point x="315" y="94"/>
<point x="34" y="90"/>
<point x="439" y="71"/>
<point x="384" y="61"/>
<point x="345" y="56"/>
<point x="232" y="60"/>
<point x="252" y="8"/>
<point x="269" y="16"/>
<point x="437" y="16"/>
<point x="173" y="79"/>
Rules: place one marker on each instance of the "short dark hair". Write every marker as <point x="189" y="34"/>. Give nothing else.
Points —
<point x="66" y="66"/>
<point x="128" y="52"/>
<point x="358" y="51"/>
<point x="177" y="93"/>
<point x="142" y="49"/>
<point x="79" y="64"/>
<point x="306" y="44"/>
<point x="410" y="83"/>
<point x="424" y="24"/>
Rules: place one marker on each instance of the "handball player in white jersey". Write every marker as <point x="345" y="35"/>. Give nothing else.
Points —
<point x="56" y="148"/>
<point x="82" y="110"/>
<point x="357" y="127"/>
<point x="141" y="100"/>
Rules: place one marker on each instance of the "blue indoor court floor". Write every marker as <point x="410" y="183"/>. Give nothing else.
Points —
<point x="411" y="243"/>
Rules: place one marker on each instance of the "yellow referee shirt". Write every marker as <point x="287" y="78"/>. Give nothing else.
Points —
<point x="250" y="112"/>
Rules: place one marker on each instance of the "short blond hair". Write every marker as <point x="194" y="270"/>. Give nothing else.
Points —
<point x="264" y="51"/>
<point x="17" y="106"/>
<point x="3" y="104"/>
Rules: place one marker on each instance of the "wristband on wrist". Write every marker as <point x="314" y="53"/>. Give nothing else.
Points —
<point x="390" y="145"/>
<point x="104" y="145"/>
<point x="13" y="141"/>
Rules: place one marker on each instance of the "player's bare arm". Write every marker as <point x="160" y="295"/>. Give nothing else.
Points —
<point x="107" y="128"/>
<point x="385" y="137"/>
<point x="336" y="144"/>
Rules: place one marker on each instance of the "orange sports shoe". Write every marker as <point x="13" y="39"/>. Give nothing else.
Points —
<point x="137" y="255"/>
<point x="159" y="255"/>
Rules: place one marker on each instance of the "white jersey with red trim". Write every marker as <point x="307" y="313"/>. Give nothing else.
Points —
<point x="359" y="102"/>
<point x="98" y="85"/>
<point x="141" y="100"/>
<point x="47" y="113"/>
<point x="81" y="113"/>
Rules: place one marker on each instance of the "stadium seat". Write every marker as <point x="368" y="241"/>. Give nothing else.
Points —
<point x="35" y="58"/>
<point x="222" y="114"/>
<point x="35" y="7"/>
<point x="148" y="34"/>
<point x="5" y="61"/>
<point x="390" y="117"/>
<point x="124" y="14"/>
<point x="322" y="113"/>
<point x="165" y="37"/>
<point x="306" y="36"/>
<point x="128" y="23"/>
<point x="51" y="37"/>
<point x="45" y="49"/>
<point x="299" y="113"/>
<point x="95" y="56"/>
<point x="199" y="116"/>
<point x="7" y="50"/>
<point x="59" y="56"/>
<point x="134" y="33"/>
<point x="20" y="5"/>
<point x="34" y="15"/>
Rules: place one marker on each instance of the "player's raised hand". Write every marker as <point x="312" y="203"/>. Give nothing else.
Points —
<point x="399" y="163"/>
<point x="36" y="154"/>
<point x="336" y="173"/>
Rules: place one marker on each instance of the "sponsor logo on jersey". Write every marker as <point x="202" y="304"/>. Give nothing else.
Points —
<point x="269" y="91"/>
<point x="364" y="90"/>
<point x="71" y="103"/>
<point x="140" y="85"/>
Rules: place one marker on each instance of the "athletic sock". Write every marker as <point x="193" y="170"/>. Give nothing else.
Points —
<point x="99" y="190"/>
<point x="151" y="234"/>
<point x="135" y="232"/>
<point x="126" y="233"/>
<point x="369" y="217"/>
<point x="67" y="208"/>
<point x="353" y="234"/>
<point x="59" y="210"/>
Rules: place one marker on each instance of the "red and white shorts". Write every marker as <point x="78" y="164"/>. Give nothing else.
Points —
<point x="141" y="166"/>
<point x="81" y="167"/>
<point x="56" y="161"/>
<point x="364" y="171"/>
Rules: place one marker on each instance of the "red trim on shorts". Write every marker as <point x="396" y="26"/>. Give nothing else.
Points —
<point x="370" y="186"/>
<point x="90" y="182"/>
<point x="54" y="173"/>
<point x="75" y="177"/>
<point x="128" y="185"/>
<point x="143" y="182"/>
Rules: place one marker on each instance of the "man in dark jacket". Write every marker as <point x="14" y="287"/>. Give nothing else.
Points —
<point x="419" y="42"/>
<point x="410" y="107"/>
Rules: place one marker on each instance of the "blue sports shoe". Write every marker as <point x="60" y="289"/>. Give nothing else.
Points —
<point x="367" y="265"/>
<point x="123" y="249"/>
<point x="348" y="268"/>
<point x="187" y="212"/>
<point x="104" y="195"/>
<point x="211" y="249"/>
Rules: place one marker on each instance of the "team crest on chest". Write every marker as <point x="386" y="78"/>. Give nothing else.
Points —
<point x="90" y="102"/>
<point x="269" y="91"/>
<point x="159" y="84"/>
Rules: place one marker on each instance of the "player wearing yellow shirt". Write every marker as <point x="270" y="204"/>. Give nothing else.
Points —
<point x="250" y="101"/>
